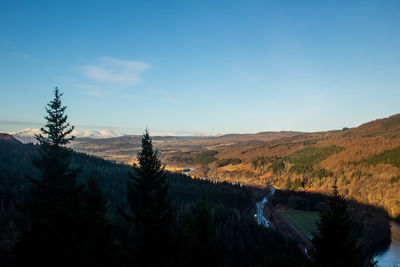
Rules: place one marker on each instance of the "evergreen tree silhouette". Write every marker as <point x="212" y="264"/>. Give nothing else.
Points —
<point x="335" y="244"/>
<point x="150" y="209"/>
<point x="58" y="233"/>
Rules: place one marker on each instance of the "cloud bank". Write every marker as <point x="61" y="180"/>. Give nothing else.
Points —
<point x="116" y="71"/>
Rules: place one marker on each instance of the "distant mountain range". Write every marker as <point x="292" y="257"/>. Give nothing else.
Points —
<point x="28" y="135"/>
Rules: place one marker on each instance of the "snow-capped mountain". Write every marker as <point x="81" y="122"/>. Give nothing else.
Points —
<point x="97" y="134"/>
<point x="28" y="135"/>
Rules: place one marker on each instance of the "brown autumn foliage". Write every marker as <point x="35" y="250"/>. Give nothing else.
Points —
<point x="366" y="182"/>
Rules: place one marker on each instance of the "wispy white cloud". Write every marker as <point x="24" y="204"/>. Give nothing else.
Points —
<point x="116" y="71"/>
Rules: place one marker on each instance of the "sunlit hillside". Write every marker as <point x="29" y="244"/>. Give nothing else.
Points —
<point x="363" y="161"/>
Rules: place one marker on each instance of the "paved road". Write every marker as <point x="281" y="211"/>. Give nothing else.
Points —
<point x="261" y="220"/>
<point x="283" y="224"/>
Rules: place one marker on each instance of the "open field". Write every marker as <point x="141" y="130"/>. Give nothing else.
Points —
<point x="305" y="221"/>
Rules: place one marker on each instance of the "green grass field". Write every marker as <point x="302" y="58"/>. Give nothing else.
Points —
<point x="305" y="221"/>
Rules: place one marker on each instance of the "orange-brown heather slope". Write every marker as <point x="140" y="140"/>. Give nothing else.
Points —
<point x="364" y="162"/>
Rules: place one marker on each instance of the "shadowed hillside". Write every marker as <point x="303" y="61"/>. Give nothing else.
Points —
<point x="233" y="232"/>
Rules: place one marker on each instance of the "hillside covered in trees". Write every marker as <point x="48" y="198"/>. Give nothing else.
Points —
<point x="236" y="238"/>
<point x="363" y="161"/>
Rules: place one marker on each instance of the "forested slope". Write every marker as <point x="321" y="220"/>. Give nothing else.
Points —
<point x="238" y="239"/>
<point x="363" y="161"/>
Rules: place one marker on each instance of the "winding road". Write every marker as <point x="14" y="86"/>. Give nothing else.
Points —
<point x="283" y="224"/>
<point x="261" y="220"/>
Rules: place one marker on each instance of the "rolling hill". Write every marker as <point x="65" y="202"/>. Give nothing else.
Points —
<point x="123" y="149"/>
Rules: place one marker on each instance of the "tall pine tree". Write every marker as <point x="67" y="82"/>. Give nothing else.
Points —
<point x="58" y="208"/>
<point x="335" y="245"/>
<point x="150" y="209"/>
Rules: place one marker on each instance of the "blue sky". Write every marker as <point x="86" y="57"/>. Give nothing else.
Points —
<point x="200" y="66"/>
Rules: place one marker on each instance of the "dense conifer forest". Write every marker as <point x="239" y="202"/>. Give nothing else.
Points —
<point x="236" y="239"/>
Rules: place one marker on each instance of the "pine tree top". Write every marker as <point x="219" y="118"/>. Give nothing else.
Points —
<point x="148" y="158"/>
<point x="57" y="131"/>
